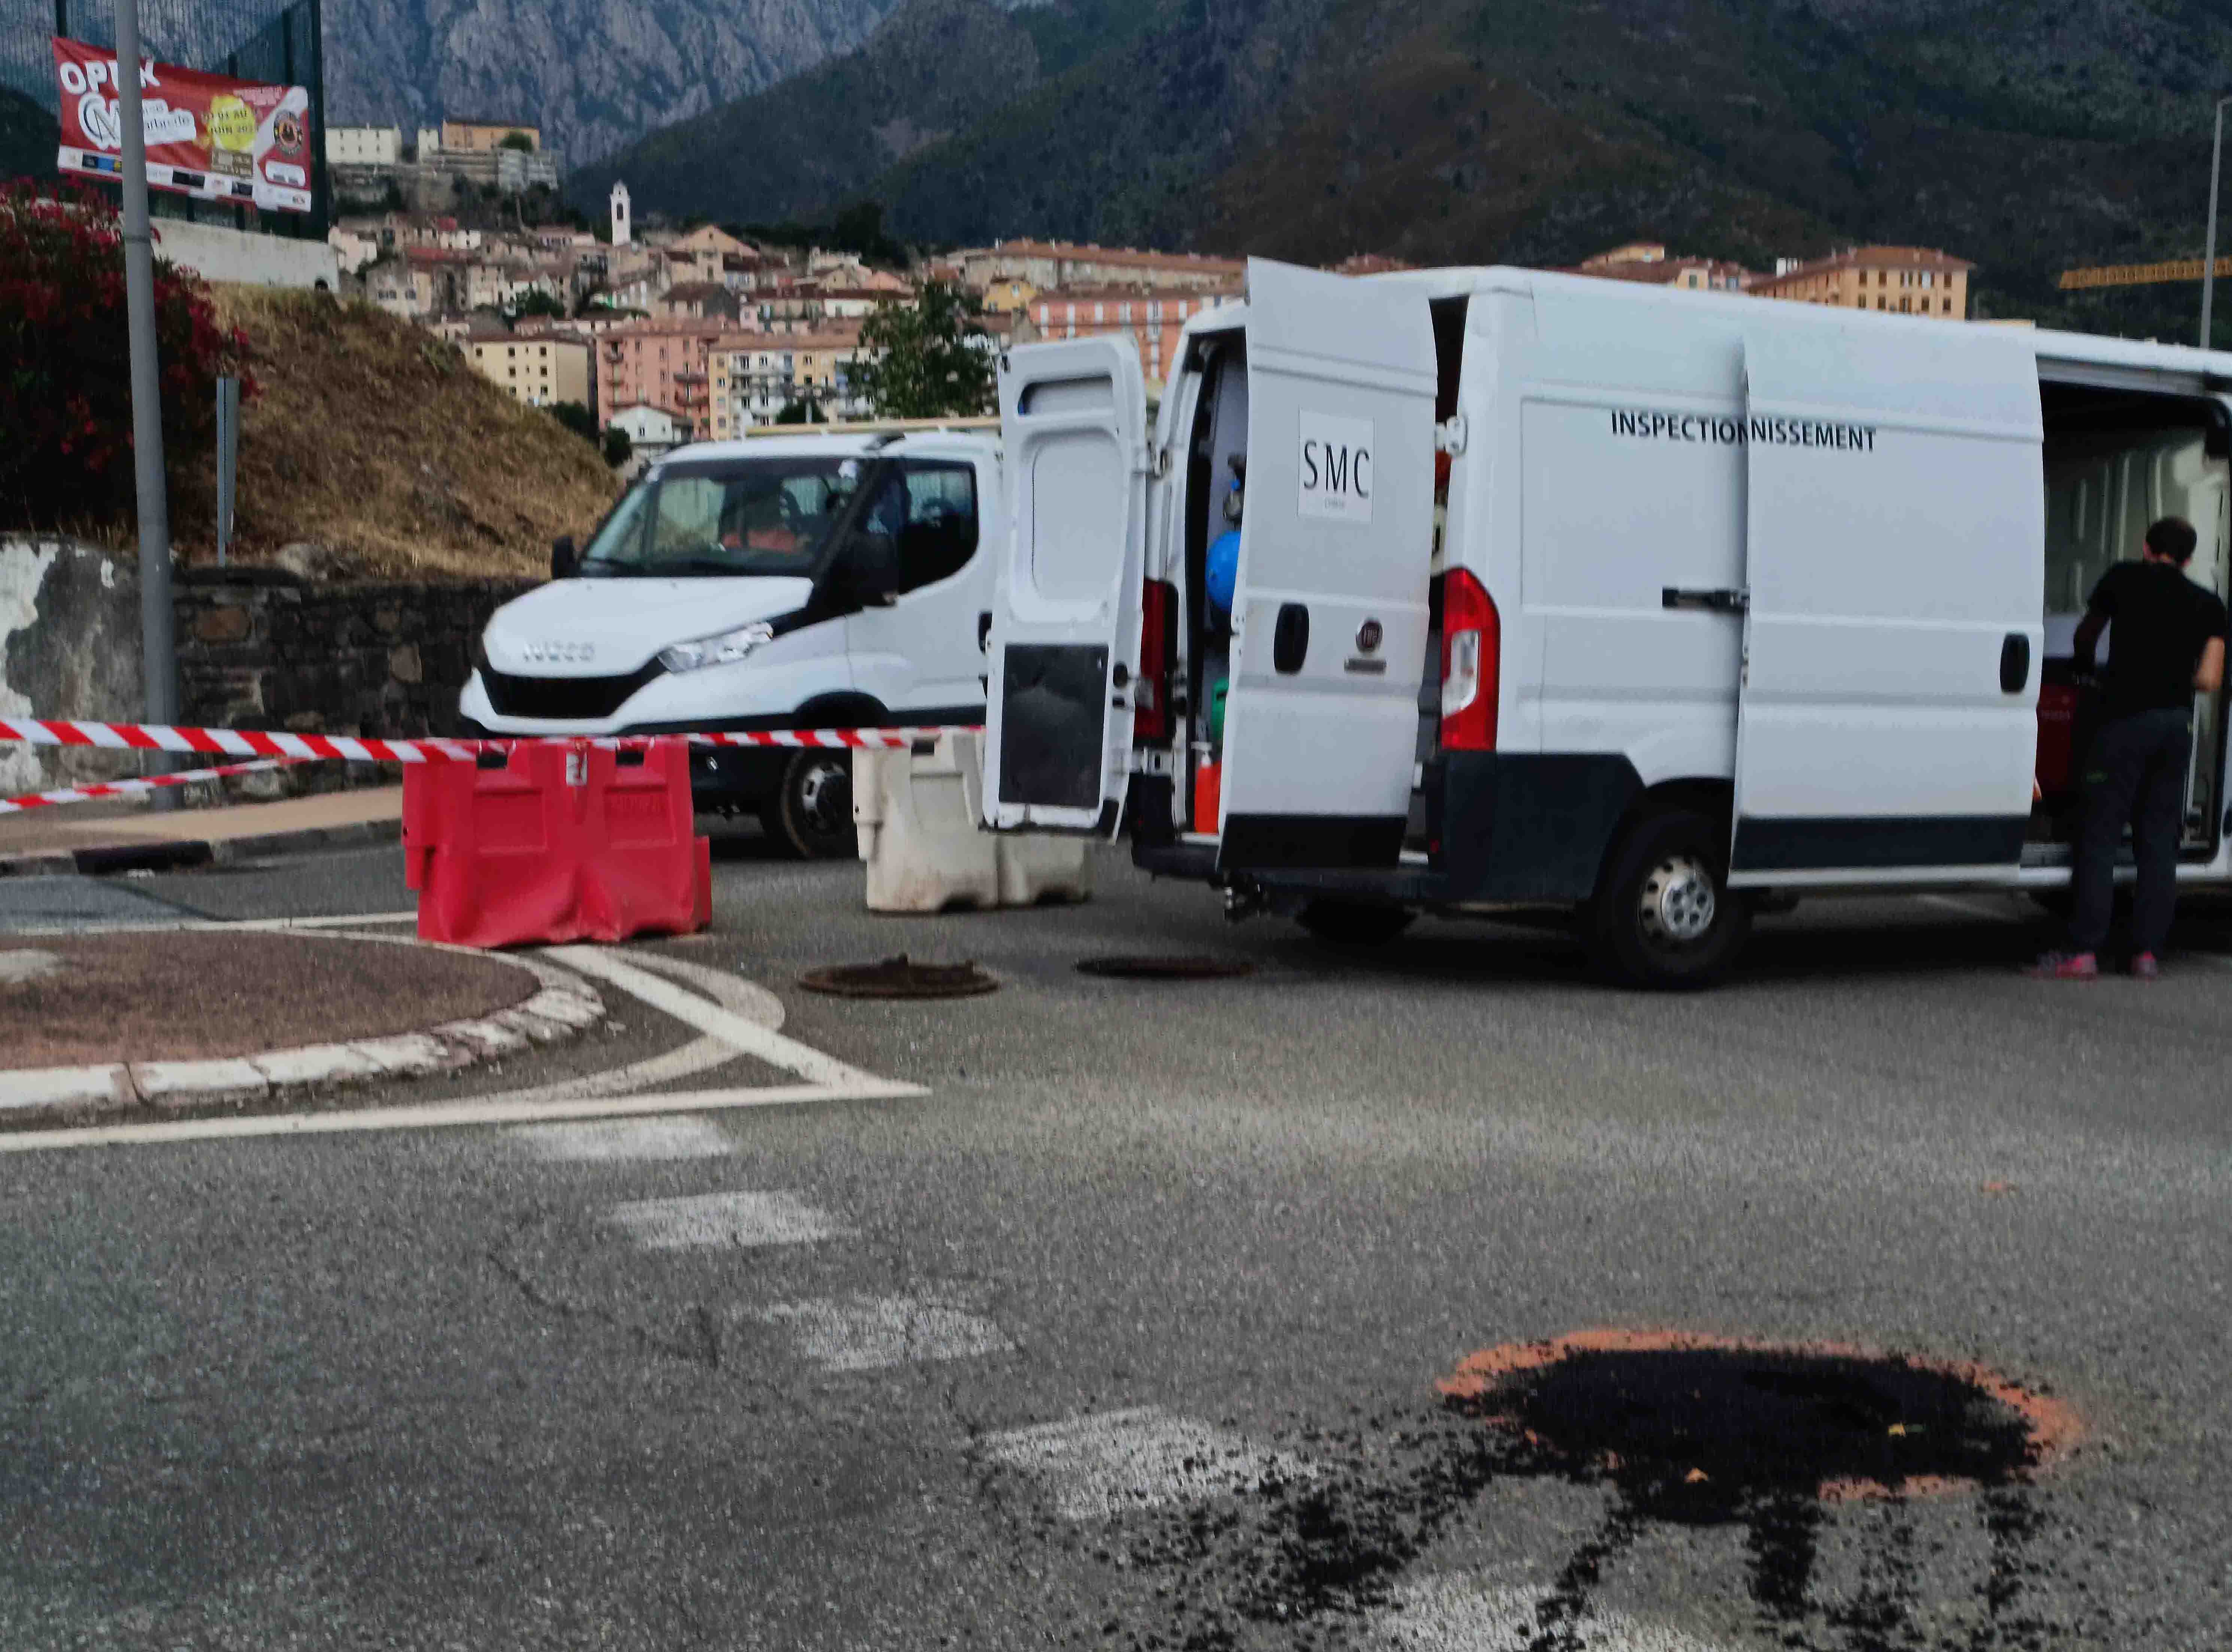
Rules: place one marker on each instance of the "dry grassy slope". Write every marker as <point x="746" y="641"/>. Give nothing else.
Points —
<point x="379" y="441"/>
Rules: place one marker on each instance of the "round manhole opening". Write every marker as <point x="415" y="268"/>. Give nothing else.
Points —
<point x="1180" y="969"/>
<point x="900" y="977"/>
<point x="1700" y="1431"/>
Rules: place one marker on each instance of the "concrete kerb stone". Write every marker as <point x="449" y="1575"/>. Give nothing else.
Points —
<point x="563" y="1006"/>
<point x="175" y="854"/>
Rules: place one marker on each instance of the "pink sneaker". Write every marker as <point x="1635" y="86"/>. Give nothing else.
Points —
<point x="2066" y="966"/>
<point x="2146" y="967"/>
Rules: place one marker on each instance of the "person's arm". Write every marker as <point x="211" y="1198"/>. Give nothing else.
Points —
<point x="2208" y="676"/>
<point x="2088" y="638"/>
<point x="2099" y="609"/>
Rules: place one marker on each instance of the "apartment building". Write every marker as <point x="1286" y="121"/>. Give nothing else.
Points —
<point x="1047" y="265"/>
<point x="1903" y="281"/>
<point x="538" y="372"/>
<point x="753" y="381"/>
<point x="1150" y="318"/>
<point x="363" y="145"/>
<point x="667" y="365"/>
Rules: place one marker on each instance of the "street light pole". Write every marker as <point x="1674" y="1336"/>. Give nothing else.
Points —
<point x="2208" y="256"/>
<point x="159" y="656"/>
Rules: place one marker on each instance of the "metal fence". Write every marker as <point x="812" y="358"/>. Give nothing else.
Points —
<point x="251" y="39"/>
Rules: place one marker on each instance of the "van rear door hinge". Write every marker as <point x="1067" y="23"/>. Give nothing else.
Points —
<point x="1450" y="435"/>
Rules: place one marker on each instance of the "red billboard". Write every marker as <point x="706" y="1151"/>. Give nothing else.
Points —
<point x="208" y="135"/>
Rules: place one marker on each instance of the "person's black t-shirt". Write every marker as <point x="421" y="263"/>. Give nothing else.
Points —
<point x="2163" y="620"/>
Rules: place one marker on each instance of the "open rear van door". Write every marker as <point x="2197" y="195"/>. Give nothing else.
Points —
<point x="1895" y="556"/>
<point x="1066" y="618"/>
<point x="1336" y="542"/>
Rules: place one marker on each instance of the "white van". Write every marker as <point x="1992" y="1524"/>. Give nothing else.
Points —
<point x="811" y="582"/>
<point x="1721" y="599"/>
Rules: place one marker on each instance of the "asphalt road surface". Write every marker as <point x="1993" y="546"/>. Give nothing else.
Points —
<point x="1127" y="1332"/>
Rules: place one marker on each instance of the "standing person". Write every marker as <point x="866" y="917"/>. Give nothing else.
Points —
<point x="2169" y="643"/>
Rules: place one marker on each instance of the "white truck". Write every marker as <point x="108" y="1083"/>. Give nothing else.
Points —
<point x="836" y="579"/>
<point x="1654" y="606"/>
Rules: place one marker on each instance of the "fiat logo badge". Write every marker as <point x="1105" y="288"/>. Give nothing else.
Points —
<point x="1367" y="637"/>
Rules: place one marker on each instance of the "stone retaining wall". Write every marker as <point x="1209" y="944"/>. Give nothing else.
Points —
<point x="258" y="648"/>
<point x="261" y="649"/>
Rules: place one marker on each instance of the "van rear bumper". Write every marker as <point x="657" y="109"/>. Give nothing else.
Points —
<point x="1523" y="828"/>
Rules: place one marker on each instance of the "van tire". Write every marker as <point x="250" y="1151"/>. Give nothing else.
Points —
<point x="811" y="813"/>
<point x="1663" y="916"/>
<point x="1353" y="923"/>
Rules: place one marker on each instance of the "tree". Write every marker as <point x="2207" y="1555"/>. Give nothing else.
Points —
<point x="536" y="301"/>
<point x="929" y="361"/>
<point x="799" y="412"/>
<point x="576" y="419"/>
<point x="64" y="361"/>
<point x="618" y="449"/>
<point x="518" y="141"/>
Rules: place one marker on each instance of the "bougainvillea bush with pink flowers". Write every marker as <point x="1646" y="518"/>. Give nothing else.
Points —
<point x="65" y="365"/>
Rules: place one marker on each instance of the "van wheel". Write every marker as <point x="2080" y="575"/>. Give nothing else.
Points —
<point x="811" y="813"/>
<point x="1663" y="916"/>
<point x="1353" y="923"/>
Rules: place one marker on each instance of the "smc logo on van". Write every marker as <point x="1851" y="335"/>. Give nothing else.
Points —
<point x="558" y="653"/>
<point x="1336" y="469"/>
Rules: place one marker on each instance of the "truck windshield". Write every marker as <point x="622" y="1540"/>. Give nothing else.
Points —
<point x="714" y="517"/>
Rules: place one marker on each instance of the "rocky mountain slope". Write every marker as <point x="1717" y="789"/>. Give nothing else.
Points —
<point x="935" y="68"/>
<point x="2028" y="134"/>
<point x="596" y="72"/>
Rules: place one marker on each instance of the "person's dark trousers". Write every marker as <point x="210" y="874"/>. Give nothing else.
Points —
<point x="2134" y="773"/>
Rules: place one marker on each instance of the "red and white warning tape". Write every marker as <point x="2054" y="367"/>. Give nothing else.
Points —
<point x="253" y="742"/>
<point x="153" y="782"/>
<point x="276" y="750"/>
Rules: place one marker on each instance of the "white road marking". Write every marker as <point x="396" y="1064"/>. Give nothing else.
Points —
<point x="730" y="1028"/>
<point x="445" y="1115"/>
<point x="709" y="1221"/>
<point x="1471" y="1614"/>
<point x="873" y="1333"/>
<point x="1108" y="1464"/>
<point x="742" y="1022"/>
<point x="622" y="1139"/>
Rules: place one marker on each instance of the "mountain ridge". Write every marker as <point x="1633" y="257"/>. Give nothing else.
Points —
<point x="2026" y="134"/>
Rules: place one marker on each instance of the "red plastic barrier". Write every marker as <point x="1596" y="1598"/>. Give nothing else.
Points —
<point x="572" y="842"/>
<point x="2057" y="735"/>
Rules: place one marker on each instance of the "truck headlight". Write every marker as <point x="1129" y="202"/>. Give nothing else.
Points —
<point x="724" y="649"/>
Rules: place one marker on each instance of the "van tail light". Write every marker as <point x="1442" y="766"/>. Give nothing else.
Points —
<point x="1151" y="703"/>
<point x="1472" y="654"/>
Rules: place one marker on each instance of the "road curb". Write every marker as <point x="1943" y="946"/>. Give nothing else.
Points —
<point x="563" y="1006"/>
<point x="175" y="854"/>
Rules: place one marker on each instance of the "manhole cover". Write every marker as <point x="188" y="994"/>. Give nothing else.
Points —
<point x="900" y="977"/>
<point x="1167" y="968"/>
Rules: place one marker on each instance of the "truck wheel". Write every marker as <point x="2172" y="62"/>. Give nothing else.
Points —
<point x="811" y="813"/>
<point x="1663" y="916"/>
<point x="1353" y="923"/>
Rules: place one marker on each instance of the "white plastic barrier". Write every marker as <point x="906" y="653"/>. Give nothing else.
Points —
<point x="918" y="815"/>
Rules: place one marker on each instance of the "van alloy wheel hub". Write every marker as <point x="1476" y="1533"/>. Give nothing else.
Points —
<point x="1679" y="902"/>
<point x="825" y="796"/>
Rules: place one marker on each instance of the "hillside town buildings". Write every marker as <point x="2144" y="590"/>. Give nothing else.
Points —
<point x="1149" y="318"/>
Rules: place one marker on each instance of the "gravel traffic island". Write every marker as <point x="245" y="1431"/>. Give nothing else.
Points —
<point x="146" y="1025"/>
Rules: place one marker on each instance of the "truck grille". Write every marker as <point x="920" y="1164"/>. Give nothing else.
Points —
<point x="563" y="698"/>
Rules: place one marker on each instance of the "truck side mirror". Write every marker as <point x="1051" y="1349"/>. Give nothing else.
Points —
<point x="565" y="562"/>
